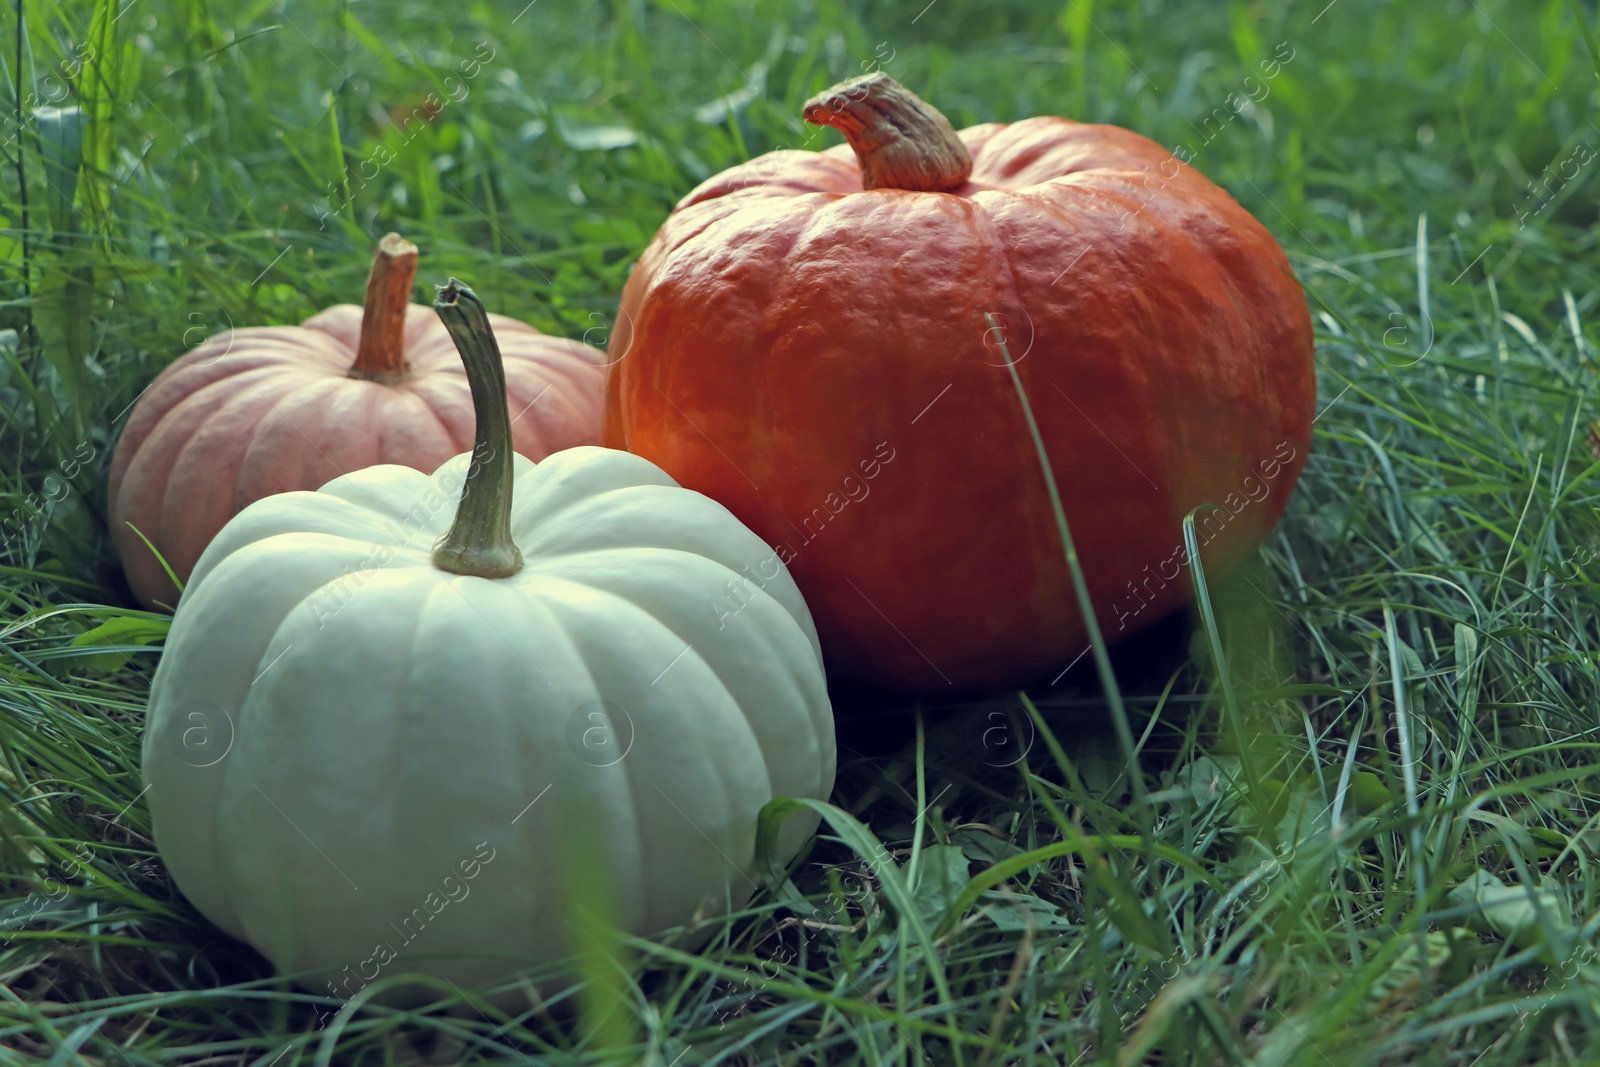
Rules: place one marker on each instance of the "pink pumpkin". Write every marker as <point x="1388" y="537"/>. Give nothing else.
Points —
<point x="263" y="410"/>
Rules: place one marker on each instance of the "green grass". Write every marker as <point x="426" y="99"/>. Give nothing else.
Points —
<point x="1413" y="660"/>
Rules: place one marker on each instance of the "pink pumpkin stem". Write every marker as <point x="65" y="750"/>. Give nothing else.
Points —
<point x="381" y="355"/>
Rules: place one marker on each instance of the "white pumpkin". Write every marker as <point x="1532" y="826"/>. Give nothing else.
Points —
<point x="361" y="762"/>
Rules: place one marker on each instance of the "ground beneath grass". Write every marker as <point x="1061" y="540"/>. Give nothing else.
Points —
<point x="1372" y="839"/>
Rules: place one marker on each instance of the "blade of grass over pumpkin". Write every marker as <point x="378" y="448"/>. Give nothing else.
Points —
<point x="920" y="821"/>
<point x="1219" y="661"/>
<point x="165" y="566"/>
<point x="605" y="1025"/>
<point x="913" y="866"/>
<point x="1102" y="659"/>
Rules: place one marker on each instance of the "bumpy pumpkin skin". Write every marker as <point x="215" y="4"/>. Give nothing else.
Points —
<point x="336" y="725"/>
<point x="785" y="330"/>
<point x="257" y="411"/>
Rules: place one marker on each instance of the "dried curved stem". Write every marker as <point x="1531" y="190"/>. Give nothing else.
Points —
<point x="901" y="141"/>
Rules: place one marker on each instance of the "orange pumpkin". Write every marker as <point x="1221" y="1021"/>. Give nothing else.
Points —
<point x="820" y="341"/>
<point x="253" y="412"/>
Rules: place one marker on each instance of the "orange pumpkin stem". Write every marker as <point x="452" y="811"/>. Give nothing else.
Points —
<point x="901" y="141"/>
<point x="381" y="355"/>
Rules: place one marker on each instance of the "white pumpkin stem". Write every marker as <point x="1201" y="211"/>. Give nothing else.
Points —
<point x="381" y="354"/>
<point x="479" y="542"/>
<point x="901" y="141"/>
